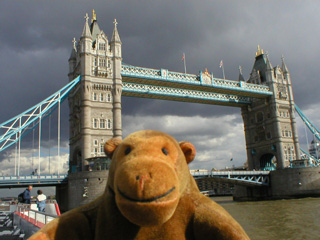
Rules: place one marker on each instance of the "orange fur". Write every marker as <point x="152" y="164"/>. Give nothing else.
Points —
<point x="150" y="194"/>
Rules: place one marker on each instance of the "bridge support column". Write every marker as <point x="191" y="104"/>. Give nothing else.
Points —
<point x="62" y="197"/>
<point x="84" y="187"/>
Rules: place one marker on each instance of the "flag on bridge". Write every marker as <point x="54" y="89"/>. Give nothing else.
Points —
<point x="221" y="64"/>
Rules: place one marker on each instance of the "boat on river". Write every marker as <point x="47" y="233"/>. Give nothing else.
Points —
<point x="20" y="221"/>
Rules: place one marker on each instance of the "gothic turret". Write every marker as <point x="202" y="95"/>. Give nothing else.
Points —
<point x="284" y="66"/>
<point x="72" y="59"/>
<point x="115" y="46"/>
<point x="241" y="78"/>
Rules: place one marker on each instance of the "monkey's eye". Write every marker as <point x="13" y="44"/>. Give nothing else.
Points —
<point x="165" y="151"/>
<point x="127" y="151"/>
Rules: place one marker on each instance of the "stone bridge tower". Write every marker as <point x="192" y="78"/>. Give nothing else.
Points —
<point x="95" y="110"/>
<point x="270" y="125"/>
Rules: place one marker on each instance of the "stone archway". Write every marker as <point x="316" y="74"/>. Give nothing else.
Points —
<point x="268" y="162"/>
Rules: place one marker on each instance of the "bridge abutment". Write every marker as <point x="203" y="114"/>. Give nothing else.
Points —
<point x="284" y="184"/>
<point x="82" y="188"/>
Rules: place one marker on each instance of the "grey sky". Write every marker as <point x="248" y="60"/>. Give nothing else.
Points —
<point x="36" y="41"/>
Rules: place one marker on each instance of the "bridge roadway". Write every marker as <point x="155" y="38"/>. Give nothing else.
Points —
<point x="251" y="178"/>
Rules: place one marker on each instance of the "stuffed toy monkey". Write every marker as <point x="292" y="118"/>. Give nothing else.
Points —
<point x="150" y="194"/>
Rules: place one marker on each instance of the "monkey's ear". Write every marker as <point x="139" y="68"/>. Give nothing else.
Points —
<point x="189" y="151"/>
<point x="111" y="145"/>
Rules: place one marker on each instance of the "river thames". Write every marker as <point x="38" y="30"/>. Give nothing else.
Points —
<point x="281" y="219"/>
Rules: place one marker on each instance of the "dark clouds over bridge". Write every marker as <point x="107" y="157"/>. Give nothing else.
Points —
<point x="36" y="41"/>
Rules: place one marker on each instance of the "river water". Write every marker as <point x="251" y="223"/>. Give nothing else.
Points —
<point x="276" y="220"/>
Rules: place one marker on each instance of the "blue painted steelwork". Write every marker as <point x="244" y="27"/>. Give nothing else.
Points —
<point x="20" y="181"/>
<point x="311" y="127"/>
<point x="312" y="160"/>
<point x="129" y="72"/>
<point x="178" y="94"/>
<point x="17" y="127"/>
<point x="251" y="178"/>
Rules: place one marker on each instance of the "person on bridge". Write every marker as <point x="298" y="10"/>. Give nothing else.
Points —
<point x="41" y="201"/>
<point x="27" y="195"/>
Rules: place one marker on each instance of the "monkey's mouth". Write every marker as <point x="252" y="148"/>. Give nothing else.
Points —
<point x="148" y="200"/>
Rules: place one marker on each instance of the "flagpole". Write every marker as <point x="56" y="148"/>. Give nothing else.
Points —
<point x="224" y="76"/>
<point x="184" y="62"/>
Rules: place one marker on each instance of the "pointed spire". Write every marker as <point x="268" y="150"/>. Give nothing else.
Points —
<point x="115" y="35"/>
<point x="241" y="78"/>
<point x="268" y="63"/>
<point x="86" y="29"/>
<point x="284" y="66"/>
<point x="74" y="49"/>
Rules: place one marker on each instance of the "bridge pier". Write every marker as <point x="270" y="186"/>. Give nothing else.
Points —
<point x="62" y="197"/>
<point x="82" y="188"/>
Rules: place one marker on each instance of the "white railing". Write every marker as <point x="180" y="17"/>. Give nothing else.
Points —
<point x="260" y="178"/>
<point x="37" y="218"/>
<point x="165" y="75"/>
<point x="222" y="173"/>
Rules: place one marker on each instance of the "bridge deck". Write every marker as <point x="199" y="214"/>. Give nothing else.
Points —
<point x="137" y="79"/>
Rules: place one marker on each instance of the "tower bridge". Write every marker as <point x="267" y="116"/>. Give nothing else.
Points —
<point x="266" y="102"/>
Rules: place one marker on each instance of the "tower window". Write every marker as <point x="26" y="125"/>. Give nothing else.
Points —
<point x="95" y="123"/>
<point x="101" y="97"/>
<point x="102" y="62"/>
<point x="94" y="96"/>
<point x="95" y="62"/>
<point x="268" y="135"/>
<point x="259" y="117"/>
<point x="102" y="123"/>
<point x="109" y="124"/>
<point x="102" y="46"/>
<point x="102" y="148"/>
<point x="95" y="142"/>
<point x="109" y="97"/>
